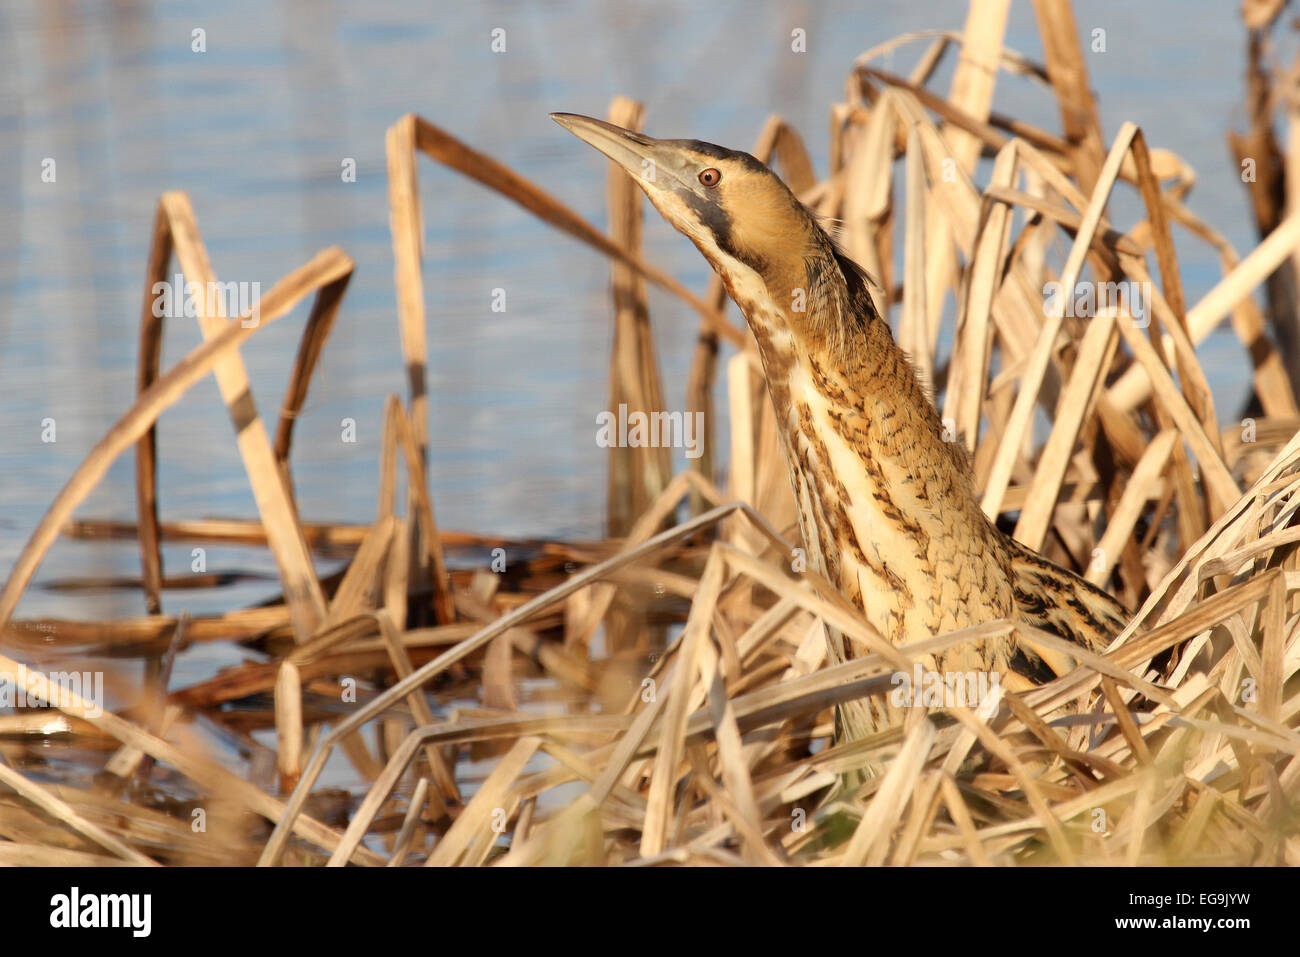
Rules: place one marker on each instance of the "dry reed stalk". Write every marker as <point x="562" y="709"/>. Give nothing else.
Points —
<point x="1216" y="304"/>
<point x="972" y="93"/>
<point x="60" y="810"/>
<point x="326" y="268"/>
<point x="636" y="475"/>
<point x="1023" y="410"/>
<point x="274" y="501"/>
<point x="967" y="380"/>
<point x="914" y="324"/>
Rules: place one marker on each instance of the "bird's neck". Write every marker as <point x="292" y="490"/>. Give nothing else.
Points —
<point x="887" y="507"/>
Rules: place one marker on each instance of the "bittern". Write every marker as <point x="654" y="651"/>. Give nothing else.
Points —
<point x="887" y="508"/>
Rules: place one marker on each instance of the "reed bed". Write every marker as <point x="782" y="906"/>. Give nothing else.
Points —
<point x="687" y="649"/>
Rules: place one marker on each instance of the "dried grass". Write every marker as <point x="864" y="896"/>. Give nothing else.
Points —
<point x="1181" y="744"/>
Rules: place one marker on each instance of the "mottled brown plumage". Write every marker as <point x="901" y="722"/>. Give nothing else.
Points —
<point x="887" y="507"/>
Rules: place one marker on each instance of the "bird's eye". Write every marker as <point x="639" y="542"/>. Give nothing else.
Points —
<point x="710" y="177"/>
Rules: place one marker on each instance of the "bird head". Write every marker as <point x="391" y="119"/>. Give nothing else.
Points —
<point x="777" y="262"/>
<point x="731" y="205"/>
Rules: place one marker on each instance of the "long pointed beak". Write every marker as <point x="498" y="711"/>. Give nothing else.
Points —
<point x="642" y="156"/>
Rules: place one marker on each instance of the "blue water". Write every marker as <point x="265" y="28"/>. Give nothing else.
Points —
<point x="255" y="129"/>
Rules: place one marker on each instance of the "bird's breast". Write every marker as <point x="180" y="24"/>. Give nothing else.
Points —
<point x="878" y="520"/>
<point x="883" y="513"/>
